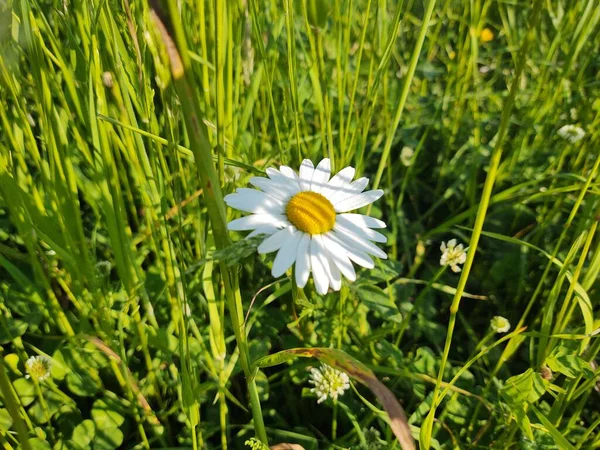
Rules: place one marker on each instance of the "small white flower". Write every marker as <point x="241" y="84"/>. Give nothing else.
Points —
<point x="328" y="382"/>
<point x="406" y="156"/>
<point x="107" y="79"/>
<point x="571" y="133"/>
<point x="500" y="324"/>
<point x="453" y="255"/>
<point x="306" y="219"/>
<point x="38" y="367"/>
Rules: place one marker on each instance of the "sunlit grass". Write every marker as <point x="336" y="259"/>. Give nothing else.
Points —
<point x="119" y="139"/>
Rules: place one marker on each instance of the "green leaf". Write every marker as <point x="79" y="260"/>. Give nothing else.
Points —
<point x="519" y="392"/>
<point x="83" y="434"/>
<point x="12" y="363"/>
<point x="522" y="420"/>
<point x="5" y="420"/>
<point x="12" y="329"/>
<point x="527" y="387"/>
<point x="53" y="401"/>
<point x="377" y="300"/>
<point x="569" y="365"/>
<point x="25" y="389"/>
<point x="82" y="383"/>
<point x="562" y="442"/>
<point x="38" y="444"/>
<point x="108" y="438"/>
<point x="426" y="431"/>
<point x="106" y="414"/>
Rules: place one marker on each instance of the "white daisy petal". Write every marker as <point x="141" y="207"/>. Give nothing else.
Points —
<point x="323" y="256"/>
<point x="306" y="173"/>
<point x="288" y="172"/>
<point x="302" y="269"/>
<point x="356" y="241"/>
<point x="357" y="256"/>
<point x="286" y="256"/>
<point x="267" y="230"/>
<point x="335" y="277"/>
<point x="253" y="201"/>
<point x="275" y="189"/>
<point x="276" y="240"/>
<point x="321" y="175"/>
<point x="339" y="257"/>
<point x="319" y="272"/>
<point x="358" y="201"/>
<point x="349" y="190"/>
<point x="363" y="221"/>
<point x="342" y="178"/>
<point x="256" y="220"/>
<point x="365" y="233"/>
<point x="291" y="185"/>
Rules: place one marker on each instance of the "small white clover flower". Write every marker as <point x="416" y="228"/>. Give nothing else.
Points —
<point x="500" y="324"/>
<point x="306" y="219"/>
<point x="328" y="382"/>
<point x="453" y="255"/>
<point x="571" y="133"/>
<point x="38" y="367"/>
<point x="406" y="156"/>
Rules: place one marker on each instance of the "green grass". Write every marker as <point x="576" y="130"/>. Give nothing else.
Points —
<point x="119" y="139"/>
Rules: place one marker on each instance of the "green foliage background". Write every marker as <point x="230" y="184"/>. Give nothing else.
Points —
<point x="108" y="264"/>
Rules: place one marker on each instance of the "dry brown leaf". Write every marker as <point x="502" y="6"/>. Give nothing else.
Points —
<point x="361" y="373"/>
<point x="286" y="447"/>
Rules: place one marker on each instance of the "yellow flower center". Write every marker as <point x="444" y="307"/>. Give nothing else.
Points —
<point x="311" y="212"/>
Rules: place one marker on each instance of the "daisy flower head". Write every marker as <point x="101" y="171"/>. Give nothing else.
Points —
<point x="38" y="367"/>
<point x="571" y="133"/>
<point x="328" y="382"/>
<point x="500" y="324"/>
<point x="306" y="217"/>
<point x="453" y="255"/>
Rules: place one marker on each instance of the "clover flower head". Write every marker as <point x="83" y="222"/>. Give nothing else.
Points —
<point x="406" y="156"/>
<point x="500" y="324"/>
<point x="571" y="133"/>
<point x="38" y="367"/>
<point x="453" y="255"/>
<point x="328" y="382"/>
<point x="306" y="217"/>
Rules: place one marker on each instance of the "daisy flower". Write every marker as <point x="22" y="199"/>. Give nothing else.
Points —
<point x="453" y="255"/>
<point x="38" y="367"/>
<point x="307" y="220"/>
<point x="328" y="382"/>
<point x="571" y="133"/>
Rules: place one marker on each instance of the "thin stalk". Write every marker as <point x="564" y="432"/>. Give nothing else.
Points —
<point x="426" y="429"/>
<point x="417" y="304"/>
<point x="11" y="402"/>
<point x="291" y="59"/>
<point x="404" y="95"/>
<point x="200" y="146"/>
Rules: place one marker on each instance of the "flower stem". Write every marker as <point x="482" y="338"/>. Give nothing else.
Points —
<point x="209" y="180"/>
<point x="12" y="403"/>
<point x="427" y="428"/>
<point x="414" y="59"/>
